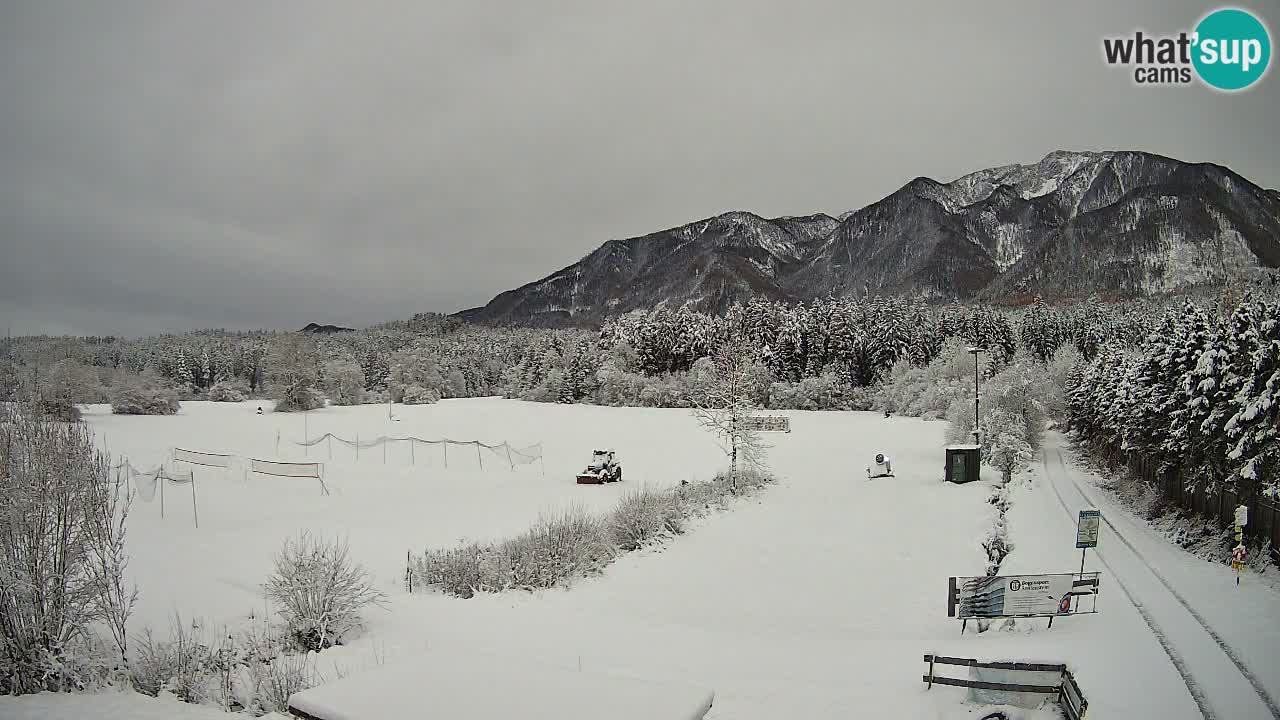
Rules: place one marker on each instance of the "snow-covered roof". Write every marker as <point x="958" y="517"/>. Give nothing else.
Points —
<point x="964" y="447"/>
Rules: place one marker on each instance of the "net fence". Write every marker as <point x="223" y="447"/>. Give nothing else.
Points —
<point x="197" y="457"/>
<point x="415" y="447"/>
<point x="277" y="468"/>
<point x="145" y="482"/>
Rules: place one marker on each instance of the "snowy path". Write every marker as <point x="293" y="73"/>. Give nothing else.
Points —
<point x="1226" y="656"/>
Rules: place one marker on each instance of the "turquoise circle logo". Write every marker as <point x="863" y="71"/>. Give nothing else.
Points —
<point x="1232" y="49"/>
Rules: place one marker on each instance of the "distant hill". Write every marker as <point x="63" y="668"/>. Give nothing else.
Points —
<point x="1120" y="224"/>
<point x="325" y="329"/>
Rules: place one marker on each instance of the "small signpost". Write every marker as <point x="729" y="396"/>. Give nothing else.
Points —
<point x="1087" y="533"/>
<point x="1238" y="552"/>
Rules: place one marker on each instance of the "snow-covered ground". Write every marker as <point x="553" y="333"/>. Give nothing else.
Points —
<point x="816" y="599"/>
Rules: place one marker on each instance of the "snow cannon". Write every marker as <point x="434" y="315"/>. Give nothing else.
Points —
<point x="603" y="468"/>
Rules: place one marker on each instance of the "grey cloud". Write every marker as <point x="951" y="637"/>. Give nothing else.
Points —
<point x="175" y="165"/>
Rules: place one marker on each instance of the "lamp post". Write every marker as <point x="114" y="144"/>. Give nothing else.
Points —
<point x="975" y="351"/>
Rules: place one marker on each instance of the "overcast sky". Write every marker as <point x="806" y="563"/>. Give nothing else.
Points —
<point x="175" y="165"/>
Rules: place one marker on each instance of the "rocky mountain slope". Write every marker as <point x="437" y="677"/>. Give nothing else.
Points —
<point x="1116" y="223"/>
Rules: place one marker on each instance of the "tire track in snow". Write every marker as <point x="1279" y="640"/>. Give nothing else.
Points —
<point x="1222" y="644"/>
<point x="1179" y="664"/>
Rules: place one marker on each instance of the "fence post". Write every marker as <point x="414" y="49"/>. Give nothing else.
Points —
<point x="195" y="511"/>
<point x="931" y="657"/>
<point x="478" y="458"/>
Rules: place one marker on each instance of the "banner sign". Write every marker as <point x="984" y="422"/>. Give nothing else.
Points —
<point x="1003" y="596"/>
<point x="1087" y="529"/>
<point x="769" y="423"/>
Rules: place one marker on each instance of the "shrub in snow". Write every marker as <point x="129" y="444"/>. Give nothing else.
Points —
<point x="418" y="395"/>
<point x="56" y="409"/>
<point x="960" y="417"/>
<point x="1004" y="444"/>
<point x="644" y="515"/>
<point x="319" y="590"/>
<point x="558" y="547"/>
<point x="574" y="543"/>
<point x="343" y="382"/>
<point x="63" y="560"/>
<point x="274" y="681"/>
<point x="181" y="665"/>
<point x="143" y="395"/>
<point x="229" y="391"/>
<point x="291" y="372"/>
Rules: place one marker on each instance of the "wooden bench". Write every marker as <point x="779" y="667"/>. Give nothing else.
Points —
<point x="1064" y="689"/>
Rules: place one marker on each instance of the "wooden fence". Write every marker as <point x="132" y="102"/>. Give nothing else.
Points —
<point x="1220" y="506"/>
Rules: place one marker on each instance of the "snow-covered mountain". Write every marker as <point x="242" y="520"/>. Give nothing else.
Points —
<point x="1115" y="223"/>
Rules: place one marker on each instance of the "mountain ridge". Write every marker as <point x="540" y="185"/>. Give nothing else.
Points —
<point x="1122" y="223"/>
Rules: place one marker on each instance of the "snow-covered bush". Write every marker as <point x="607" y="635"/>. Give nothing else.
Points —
<point x="275" y="680"/>
<point x="824" y="392"/>
<point x="62" y="566"/>
<point x="575" y="543"/>
<point x="56" y="409"/>
<point x="960" y="419"/>
<point x="1004" y="442"/>
<point x="229" y="391"/>
<point x="572" y="543"/>
<point x="1057" y="372"/>
<point x="1020" y="389"/>
<point x="181" y="665"/>
<point x="319" y="590"/>
<point x="644" y="515"/>
<point x="929" y="391"/>
<point x="143" y="395"/>
<point x="418" y="395"/>
<point x="291" y="373"/>
<point x="343" y="382"/>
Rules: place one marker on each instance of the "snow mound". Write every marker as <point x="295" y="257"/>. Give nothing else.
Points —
<point x="482" y="685"/>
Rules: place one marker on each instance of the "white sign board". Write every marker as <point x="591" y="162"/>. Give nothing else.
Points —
<point x="1020" y="595"/>
<point x="1087" y="529"/>
<point x="769" y="423"/>
<point x="1242" y="516"/>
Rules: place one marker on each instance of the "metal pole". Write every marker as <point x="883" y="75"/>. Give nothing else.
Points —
<point x="160" y="479"/>
<point x="306" y="436"/>
<point x="478" y="458"/>
<point x="330" y="441"/>
<point x="195" y="511"/>
<point x="976" y="436"/>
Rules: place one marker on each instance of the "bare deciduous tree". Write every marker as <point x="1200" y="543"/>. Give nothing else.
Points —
<point x="293" y="366"/>
<point x="62" y="559"/>
<point x="723" y="404"/>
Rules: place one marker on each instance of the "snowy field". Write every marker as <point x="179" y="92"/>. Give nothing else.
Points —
<point x="815" y="599"/>
<point x="384" y="504"/>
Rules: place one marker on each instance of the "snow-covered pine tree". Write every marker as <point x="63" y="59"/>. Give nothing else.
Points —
<point x="1254" y="426"/>
<point x="1191" y="437"/>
